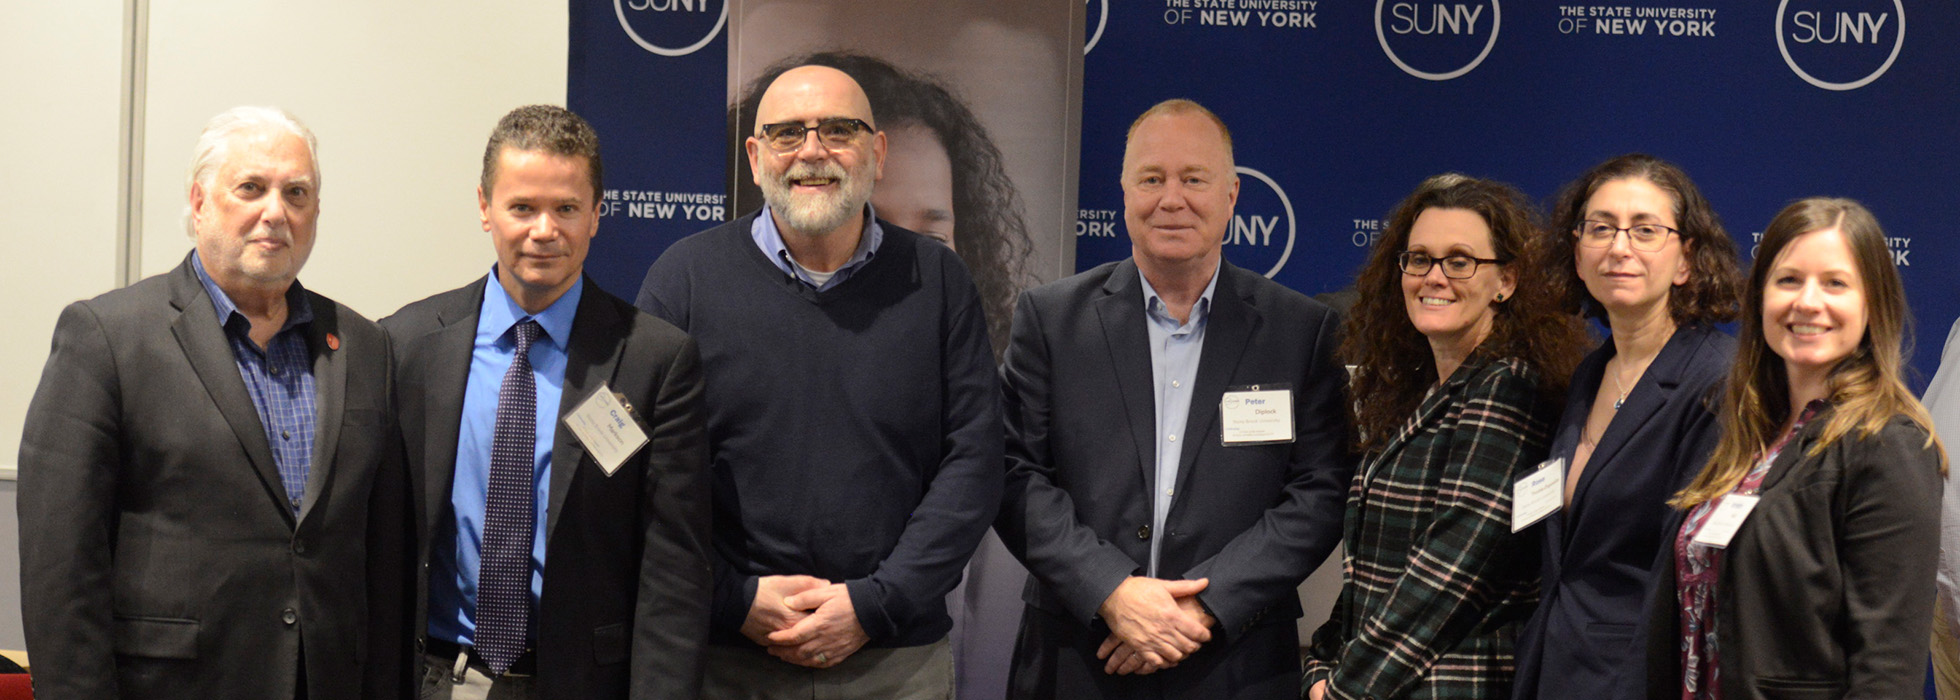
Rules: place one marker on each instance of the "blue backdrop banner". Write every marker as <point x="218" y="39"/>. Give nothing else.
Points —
<point x="1338" y="109"/>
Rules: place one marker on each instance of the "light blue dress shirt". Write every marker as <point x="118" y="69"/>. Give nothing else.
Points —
<point x="1174" y="352"/>
<point x="452" y="579"/>
<point x="770" y="240"/>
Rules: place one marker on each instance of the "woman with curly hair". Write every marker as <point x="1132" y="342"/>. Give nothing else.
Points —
<point x="943" y="175"/>
<point x="1638" y="247"/>
<point x="1803" y="565"/>
<point x="1460" y="348"/>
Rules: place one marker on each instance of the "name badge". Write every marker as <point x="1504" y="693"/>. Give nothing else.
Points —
<point x="1256" y="415"/>
<point x="604" y="423"/>
<point x="1538" y="495"/>
<point x="1727" y="518"/>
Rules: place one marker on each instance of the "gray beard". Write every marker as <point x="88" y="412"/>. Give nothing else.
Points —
<point x="816" y="215"/>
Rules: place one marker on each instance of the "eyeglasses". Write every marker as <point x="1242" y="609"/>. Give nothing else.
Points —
<point x="1456" y="267"/>
<point x="835" y="132"/>
<point x="1643" y="237"/>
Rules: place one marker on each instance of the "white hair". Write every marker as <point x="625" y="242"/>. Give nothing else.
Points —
<point x="214" y="144"/>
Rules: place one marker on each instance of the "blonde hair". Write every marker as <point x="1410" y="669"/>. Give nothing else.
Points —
<point x="1864" y="388"/>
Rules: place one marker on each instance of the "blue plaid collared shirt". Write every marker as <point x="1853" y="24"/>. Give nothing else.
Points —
<point x="279" y="378"/>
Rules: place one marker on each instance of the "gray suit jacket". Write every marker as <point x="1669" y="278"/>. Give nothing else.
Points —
<point x="159" y="555"/>
<point x="624" y="612"/>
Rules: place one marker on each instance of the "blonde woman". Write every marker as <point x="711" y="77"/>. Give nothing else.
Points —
<point x="1803" y="563"/>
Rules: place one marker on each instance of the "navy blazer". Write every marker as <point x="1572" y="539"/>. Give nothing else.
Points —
<point x="1598" y="554"/>
<point x="1081" y="459"/>
<point x="624" y="611"/>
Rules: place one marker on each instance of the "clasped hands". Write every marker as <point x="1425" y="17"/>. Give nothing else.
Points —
<point x="804" y="620"/>
<point x="1153" y="624"/>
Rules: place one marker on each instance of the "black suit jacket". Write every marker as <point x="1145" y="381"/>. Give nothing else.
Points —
<point x="1081" y="455"/>
<point x="1826" y="591"/>
<point x="624" y="610"/>
<point x="1599" y="553"/>
<point x="159" y="555"/>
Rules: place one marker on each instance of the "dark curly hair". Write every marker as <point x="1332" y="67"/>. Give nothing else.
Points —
<point x="1713" y="293"/>
<point x="989" y="233"/>
<point x="1393" y="364"/>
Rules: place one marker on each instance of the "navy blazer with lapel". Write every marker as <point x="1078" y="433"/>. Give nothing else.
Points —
<point x="160" y="557"/>
<point x="1598" y="554"/>
<point x="624" y="610"/>
<point x="1826" y="589"/>
<point x="1255" y="520"/>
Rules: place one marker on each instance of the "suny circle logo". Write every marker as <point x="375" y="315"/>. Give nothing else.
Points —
<point x="1437" y="40"/>
<point x="671" y="27"/>
<point x="1840" y="44"/>
<point x="1099" y="19"/>
<point x="1254" y="239"/>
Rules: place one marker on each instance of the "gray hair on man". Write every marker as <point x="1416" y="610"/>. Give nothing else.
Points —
<point x="214" y="145"/>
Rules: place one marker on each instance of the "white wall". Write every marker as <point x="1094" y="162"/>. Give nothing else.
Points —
<point x="401" y="95"/>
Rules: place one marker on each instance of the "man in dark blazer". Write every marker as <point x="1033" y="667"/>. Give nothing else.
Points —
<point x="611" y="596"/>
<point x="1165" y="527"/>
<point x="206" y="487"/>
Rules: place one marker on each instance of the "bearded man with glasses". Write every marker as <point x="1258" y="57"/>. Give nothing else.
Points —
<point x="853" y="419"/>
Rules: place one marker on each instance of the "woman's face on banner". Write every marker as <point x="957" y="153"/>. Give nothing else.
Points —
<point x="917" y="190"/>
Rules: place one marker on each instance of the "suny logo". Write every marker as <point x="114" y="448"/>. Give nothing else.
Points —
<point x="1254" y="240"/>
<point x="1436" y="40"/>
<point x="1840" y="44"/>
<point x="671" y="27"/>
<point x="1098" y="18"/>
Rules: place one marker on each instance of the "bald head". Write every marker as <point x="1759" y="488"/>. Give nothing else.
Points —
<point x="812" y="93"/>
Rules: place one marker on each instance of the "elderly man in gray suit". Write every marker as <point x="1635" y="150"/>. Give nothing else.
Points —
<point x="209" y="507"/>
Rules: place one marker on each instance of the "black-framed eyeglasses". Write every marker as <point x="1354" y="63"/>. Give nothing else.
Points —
<point x="1456" y="267"/>
<point x="1646" y="238"/>
<point x="835" y="132"/>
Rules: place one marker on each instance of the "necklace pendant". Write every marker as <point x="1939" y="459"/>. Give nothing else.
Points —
<point x="1620" y="402"/>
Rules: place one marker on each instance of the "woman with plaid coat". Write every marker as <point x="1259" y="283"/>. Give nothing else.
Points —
<point x="1459" y="351"/>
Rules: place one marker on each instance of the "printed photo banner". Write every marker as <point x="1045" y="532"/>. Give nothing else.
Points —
<point x="1339" y="109"/>
<point x="651" y="76"/>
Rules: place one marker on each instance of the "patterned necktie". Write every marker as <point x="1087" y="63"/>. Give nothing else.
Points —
<point x="503" y="594"/>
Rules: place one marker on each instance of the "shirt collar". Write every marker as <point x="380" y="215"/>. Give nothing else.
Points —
<point x="1199" y="311"/>
<point x="298" y="309"/>
<point x="770" y="239"/>
<point x="500" y="312"/>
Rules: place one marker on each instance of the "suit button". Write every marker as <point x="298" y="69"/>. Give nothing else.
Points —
<point x="289" y="617"/>
<point x="1143" y="533"/>
<point x="299" y="547"/>
<point x="421" y="645"/>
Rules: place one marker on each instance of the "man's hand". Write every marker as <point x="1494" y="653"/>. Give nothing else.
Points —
<point x="828" y="633"/>
<point x="1145" y="615"/>
<point x="769" y="613"/>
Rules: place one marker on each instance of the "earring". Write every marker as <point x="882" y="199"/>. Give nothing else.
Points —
<point x="1500" y="297"/>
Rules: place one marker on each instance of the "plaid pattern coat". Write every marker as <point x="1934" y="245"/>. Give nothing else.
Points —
<point x="1436" y="585"/>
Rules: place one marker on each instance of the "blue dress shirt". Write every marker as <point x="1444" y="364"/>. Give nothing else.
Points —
<point x="452" y="579"/>
<point x="279" y="378"/>
<point x="1174" y="352"/>
<point x="770" y="240"/>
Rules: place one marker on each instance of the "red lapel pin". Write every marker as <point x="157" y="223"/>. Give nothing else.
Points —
<point x="333" y="342"/>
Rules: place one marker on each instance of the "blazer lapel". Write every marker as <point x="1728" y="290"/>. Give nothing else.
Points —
<point x="209" y="352"/>
<point x="1650" y="394"/>
<point x="330" y="398"/>
<point x="591" y="355"/>
<point x="445" y="371"/>
<point x="1227" y="333"/>
<point x="1121" y="311"/>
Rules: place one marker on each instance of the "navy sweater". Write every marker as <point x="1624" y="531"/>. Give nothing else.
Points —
<point x="855" y="433"/>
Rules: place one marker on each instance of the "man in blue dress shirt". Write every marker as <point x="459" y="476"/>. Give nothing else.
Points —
<point x="1176" y="448"/>
<point x="556" y="566"/>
